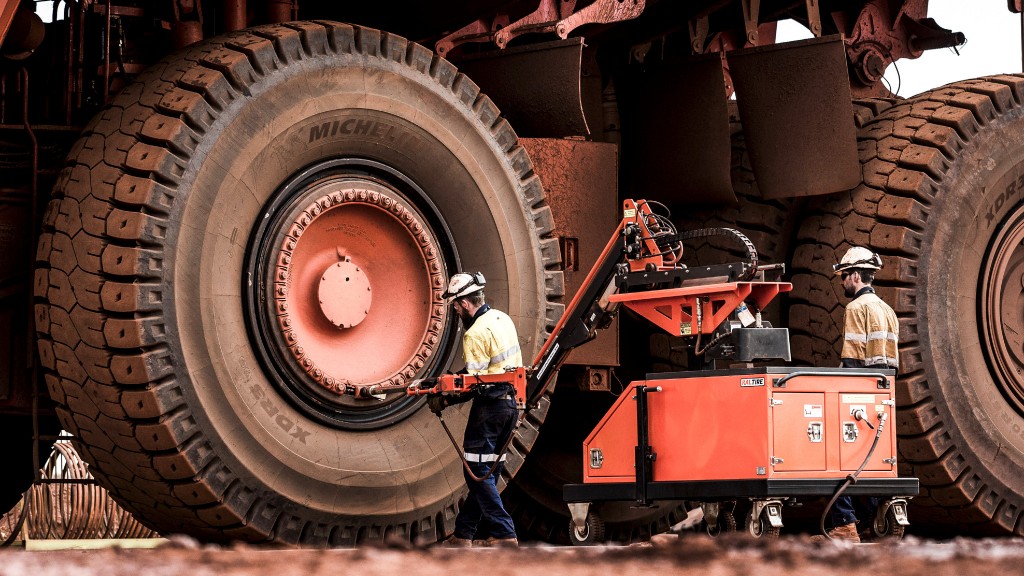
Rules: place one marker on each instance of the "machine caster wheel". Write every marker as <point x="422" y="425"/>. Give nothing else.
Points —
<point x="591" y="534"/>
<point x="885" y="526"/>
<point x="760" y="527"/>
<point x="726" y="523"/>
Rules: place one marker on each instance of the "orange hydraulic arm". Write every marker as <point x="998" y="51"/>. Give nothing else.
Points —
<point x="640" y="267"/>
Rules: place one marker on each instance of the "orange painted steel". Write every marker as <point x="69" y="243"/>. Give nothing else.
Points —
<point x="462" y="383"/>
<point x="639" y="213"/>
<point x="359" y="277"/>
<point x="673" y="309"/>
<point x="739" y="426"/>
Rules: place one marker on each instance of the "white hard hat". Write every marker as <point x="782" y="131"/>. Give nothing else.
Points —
<point x="463" y="284"/>
<point x="859" y="258"/>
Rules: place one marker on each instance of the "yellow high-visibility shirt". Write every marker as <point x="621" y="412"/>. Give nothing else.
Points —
<point x="491" y="344"/>
<point x="871" y="333"/>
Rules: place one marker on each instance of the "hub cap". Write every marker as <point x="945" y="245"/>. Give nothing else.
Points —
<point x="352" y="274"/>
<point x="1003" y="307"/>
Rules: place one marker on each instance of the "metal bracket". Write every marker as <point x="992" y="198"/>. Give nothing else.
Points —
<point x="543" y="19"/>
<point x="711" y="510"/>
<point x="772" y="511"/>
<point x="596" y="458"/>
<point x="699" y="33"/>
<point x="601" y="12"/>
<point x="751" y="13"/>
<point x="899" y="510"/>
<point x="479" y="30"/>
<point x="814" y="17"/>
<point x="579" y="511"/>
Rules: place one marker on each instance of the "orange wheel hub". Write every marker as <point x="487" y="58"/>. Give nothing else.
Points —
<point x="345" y="294"/>
<point x="357" y="288"/>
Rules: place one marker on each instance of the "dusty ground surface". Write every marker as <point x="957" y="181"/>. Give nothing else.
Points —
<point x="688" y="556"/>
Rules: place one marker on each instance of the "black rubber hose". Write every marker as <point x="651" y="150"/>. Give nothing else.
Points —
<point x="852" y="478"/>
<point x="462" y="457"/>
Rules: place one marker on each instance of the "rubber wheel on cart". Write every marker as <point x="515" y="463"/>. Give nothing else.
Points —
<point x="591" y="534"/>
<point x="726" y="524"/>
<point x="760" y="527"/>
<point x="886" y="526"/>
<point x="942" y="201"/>
<point x="256" y="226"/>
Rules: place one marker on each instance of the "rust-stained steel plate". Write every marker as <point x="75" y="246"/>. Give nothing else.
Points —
<point x="580" y="180"/>
<point x="679" y="151"/>
<point x="797" y="113"/>
<point x="537" y="87"/>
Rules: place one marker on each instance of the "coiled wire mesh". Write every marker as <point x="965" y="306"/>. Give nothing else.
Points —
<point x="68" y="504"/>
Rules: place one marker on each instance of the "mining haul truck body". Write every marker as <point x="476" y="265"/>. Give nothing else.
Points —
<point x="218" y="217"/>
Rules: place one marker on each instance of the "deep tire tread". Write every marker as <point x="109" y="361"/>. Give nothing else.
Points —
<point x="101" y="313"/>
<point x="906" y="152"/>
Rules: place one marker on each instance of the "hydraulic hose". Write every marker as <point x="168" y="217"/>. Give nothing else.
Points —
<point x="852" y="478"/>
<point x="462" y="457"/>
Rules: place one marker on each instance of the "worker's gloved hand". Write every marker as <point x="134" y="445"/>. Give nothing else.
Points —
<point x="436" y="403"/>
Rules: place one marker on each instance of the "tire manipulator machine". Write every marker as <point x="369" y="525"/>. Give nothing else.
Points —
<point x="712" y="436"/>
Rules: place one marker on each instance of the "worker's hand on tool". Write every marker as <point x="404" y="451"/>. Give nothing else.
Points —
<point x="436" y="403"/>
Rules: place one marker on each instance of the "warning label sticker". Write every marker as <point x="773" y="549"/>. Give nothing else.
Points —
<point x="858" y="399"/>
<point x="812" y="410"/>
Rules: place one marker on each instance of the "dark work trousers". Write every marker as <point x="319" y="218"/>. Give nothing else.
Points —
<point x="848" y="510"/>
<point x="491" y="422"/>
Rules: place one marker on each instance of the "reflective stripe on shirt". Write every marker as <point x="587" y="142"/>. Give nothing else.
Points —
<point x="870" y="332"/>
<point x="491" y="344"/>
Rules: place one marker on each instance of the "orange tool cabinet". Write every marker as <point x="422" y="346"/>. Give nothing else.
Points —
<point x="761" y="432"/>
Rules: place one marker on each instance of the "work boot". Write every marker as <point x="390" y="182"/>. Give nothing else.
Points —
<point x="456" y="542"/>
<point x="493" y="542"/>
<point x="846" y="533"/>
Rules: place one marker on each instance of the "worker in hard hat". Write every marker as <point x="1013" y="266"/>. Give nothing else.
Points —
<point x="870" y="328"/>
<point x="490" y="344"/>
<point x="870" y="340"/>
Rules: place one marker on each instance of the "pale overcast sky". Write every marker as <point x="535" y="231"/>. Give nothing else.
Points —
<point x="993" y="45"/>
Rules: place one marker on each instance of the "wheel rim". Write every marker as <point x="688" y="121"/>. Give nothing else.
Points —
<point x="581" y="534"/>
<point x="755" y="526"/>
<point x="1002" y="307"/>
<point x="345" y="275"/>
<point x="881" y="524"/>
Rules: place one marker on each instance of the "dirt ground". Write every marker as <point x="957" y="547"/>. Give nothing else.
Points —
<point x="692" y="555"/>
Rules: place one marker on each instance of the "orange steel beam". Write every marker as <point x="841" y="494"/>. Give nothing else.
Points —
<point x="673" y="309"/>
<point x="7" y="11"/>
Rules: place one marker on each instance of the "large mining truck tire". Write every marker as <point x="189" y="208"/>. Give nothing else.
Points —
<point x="941" y="201"/>
<point x="194" y="225"/>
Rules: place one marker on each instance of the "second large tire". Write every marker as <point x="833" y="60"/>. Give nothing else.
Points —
<point x="170" y="253"/>
<point x="941" y="201"/>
